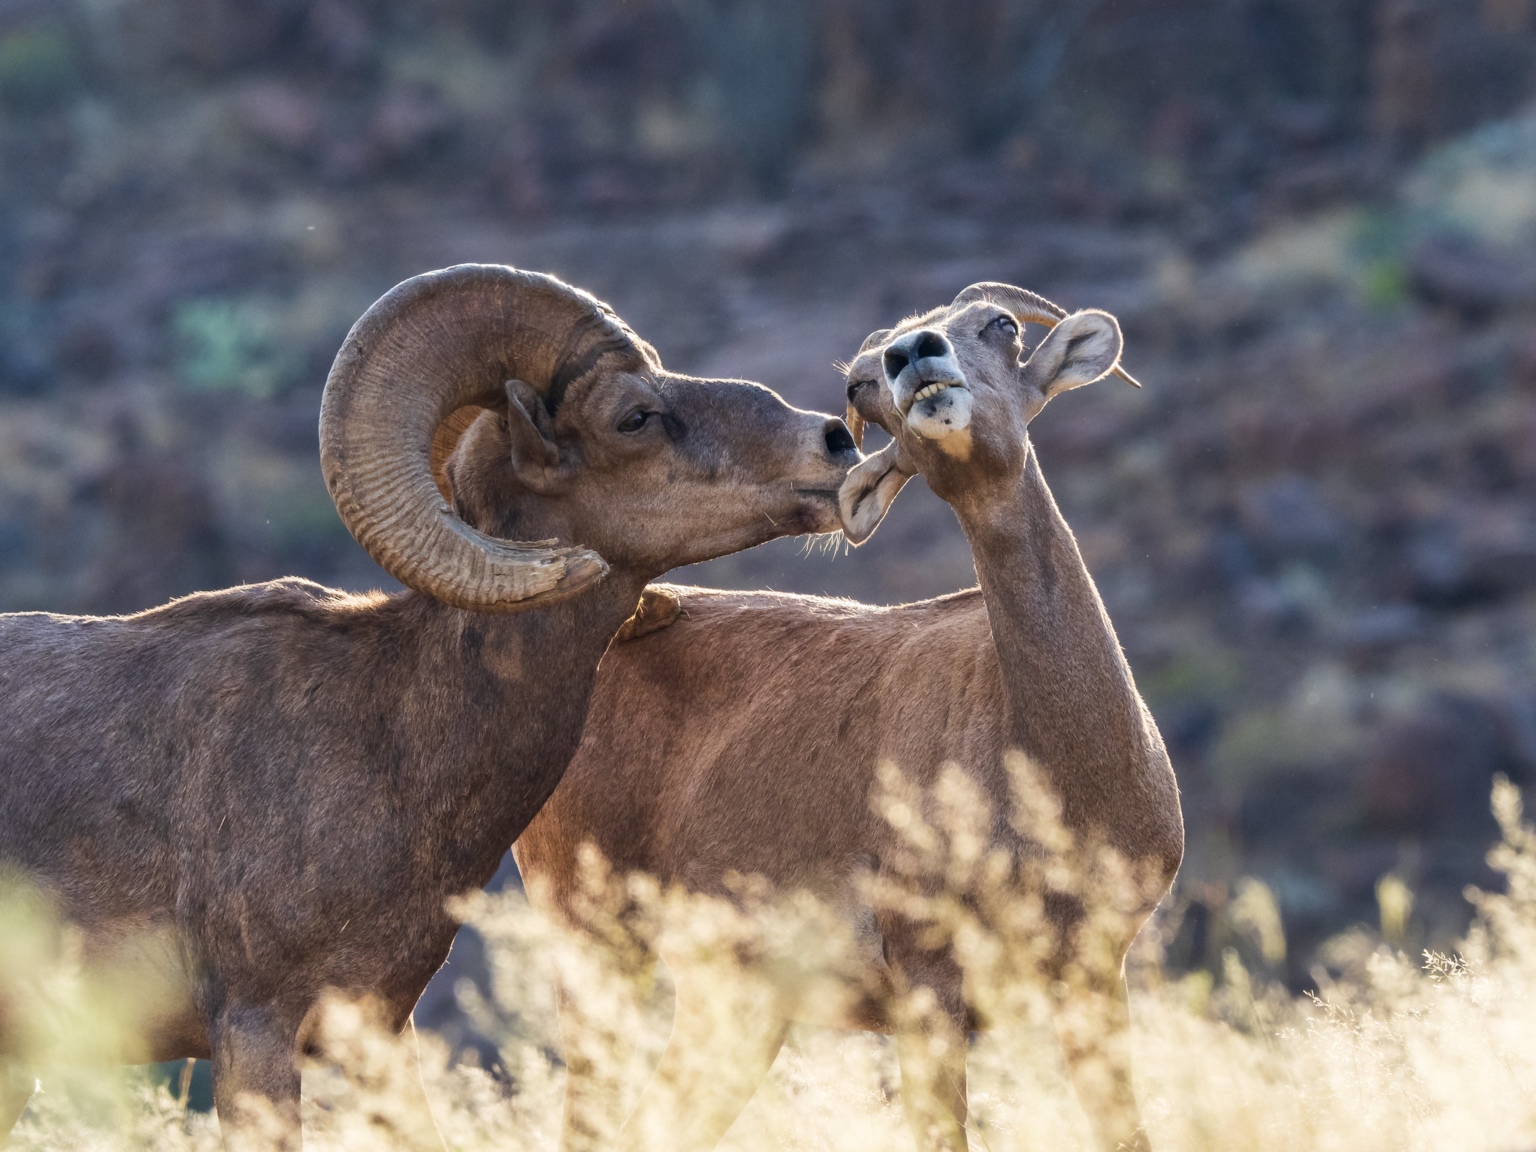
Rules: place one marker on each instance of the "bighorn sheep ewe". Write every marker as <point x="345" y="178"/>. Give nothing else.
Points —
<point x="246" y="798"/>
<point x="745" y="737"/>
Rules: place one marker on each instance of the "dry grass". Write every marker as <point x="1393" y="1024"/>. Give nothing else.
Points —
<point x="1393" y="1053"/>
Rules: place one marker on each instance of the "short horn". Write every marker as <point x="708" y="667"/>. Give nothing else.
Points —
<point x="429" y="347"/>
<point x="855" y="424"/>
<point x="1027" y="306"/>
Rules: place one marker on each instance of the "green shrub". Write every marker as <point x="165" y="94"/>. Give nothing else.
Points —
<point x="37" y="66"/>
<point x="224" y="345"/>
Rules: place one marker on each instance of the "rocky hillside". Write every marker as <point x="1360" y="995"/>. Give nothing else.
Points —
<point x="1315" y="528"/>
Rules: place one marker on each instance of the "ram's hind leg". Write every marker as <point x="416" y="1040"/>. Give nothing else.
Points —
<point x="16" y="1085"/>
<point x="1093" y="1022"/>
<point x="725" y="1035"/>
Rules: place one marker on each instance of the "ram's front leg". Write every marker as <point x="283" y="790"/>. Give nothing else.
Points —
<point x="256" y="1085"/>
<point x="415" y="1127"/>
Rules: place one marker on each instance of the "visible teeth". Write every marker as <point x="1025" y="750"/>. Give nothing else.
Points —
<point x="931" y="390"/>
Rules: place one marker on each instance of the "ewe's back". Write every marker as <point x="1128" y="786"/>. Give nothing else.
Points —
<point x="745" y="735"/>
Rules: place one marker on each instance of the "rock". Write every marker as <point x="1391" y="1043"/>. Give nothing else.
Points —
<point x="1451" y="273"/>
<point x="281" y="115"/>
<point x="1287" y="516"/>
<point x="1431" y="771"/>
<point x="1478" y="555"/>
<point x="1382" y="627"/>
<point x="407" y="121"/>
<point x="88" y="347"/>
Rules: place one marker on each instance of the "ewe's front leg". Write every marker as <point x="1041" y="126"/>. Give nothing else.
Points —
<point x="598" y="1056"/>
<point x="1093" y="1023"/>
<point x="932" y="1034"/>
<point x="931" y="1047"/>
<point x="726" y="1033"/>
<point x="256" y="1080"/>
<point x="933" y="1085"/>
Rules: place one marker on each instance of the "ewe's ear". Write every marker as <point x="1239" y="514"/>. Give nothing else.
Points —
<point x="531" y="438"/>
<point x="868" y="491"/>
<point x="1079" y="350"/>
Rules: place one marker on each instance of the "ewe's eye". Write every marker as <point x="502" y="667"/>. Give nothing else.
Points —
<point x="1005" y="324"/>
<point x="634" y="421"/>
<point x="855" y="385"/>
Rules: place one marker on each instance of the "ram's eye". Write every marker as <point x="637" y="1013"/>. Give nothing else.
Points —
<point x="1005" y="324"/>
<point x="634" y="421"/>
<point x="855" y="385"/>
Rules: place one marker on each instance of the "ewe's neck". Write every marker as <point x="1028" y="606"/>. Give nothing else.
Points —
<point x="1071" y="701"/>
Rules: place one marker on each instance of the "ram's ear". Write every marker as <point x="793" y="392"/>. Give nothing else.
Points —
<point x="1079" y="350"/>
<point x="445" y="440"/>
<point x="531" y="439"/>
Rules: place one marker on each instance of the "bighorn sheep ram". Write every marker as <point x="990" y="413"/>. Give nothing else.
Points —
<point x="745" y="736"/>
<point x="246" y="799"/>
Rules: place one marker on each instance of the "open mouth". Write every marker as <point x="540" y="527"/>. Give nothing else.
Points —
<point x="928" y="391"/>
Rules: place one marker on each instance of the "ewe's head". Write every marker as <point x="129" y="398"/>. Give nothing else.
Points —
<point x="956" y="388"/>
<point x="481" y="405"/>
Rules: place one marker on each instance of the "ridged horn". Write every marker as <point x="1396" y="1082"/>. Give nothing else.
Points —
<point x="427" y="348"/>
<point x="1026" y="305"/>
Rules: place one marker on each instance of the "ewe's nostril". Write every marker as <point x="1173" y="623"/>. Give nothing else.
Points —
<point x="930" y="344"/>
<point x="838" y="439"/>
<point x="913" y="347"/>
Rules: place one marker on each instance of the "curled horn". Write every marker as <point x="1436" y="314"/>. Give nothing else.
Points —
<point x="1027" y="306"/>
<point x="431" y="346"/>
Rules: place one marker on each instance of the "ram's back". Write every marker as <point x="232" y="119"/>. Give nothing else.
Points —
<point x="125" y="741"/>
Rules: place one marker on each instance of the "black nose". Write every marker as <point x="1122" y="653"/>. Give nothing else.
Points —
<point x="912" y="347"/>
<point x="838" y="439"/>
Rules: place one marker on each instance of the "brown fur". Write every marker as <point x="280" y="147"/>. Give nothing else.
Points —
<point x="745" y="736"/>
<point x="279" y="787"/>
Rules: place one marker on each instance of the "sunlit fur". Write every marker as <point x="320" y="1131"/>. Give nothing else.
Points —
<point x="246" y="800"/>
<point x="745" y="738"/>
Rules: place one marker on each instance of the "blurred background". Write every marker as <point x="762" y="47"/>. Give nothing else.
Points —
<point x="1316" y="220"/>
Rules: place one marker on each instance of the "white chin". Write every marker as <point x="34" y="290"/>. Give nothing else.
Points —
<point x="942" y="415"/>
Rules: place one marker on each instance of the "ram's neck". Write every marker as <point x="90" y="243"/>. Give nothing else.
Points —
<point x="495" y="705"/>
<point x="1070" y="700"/>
